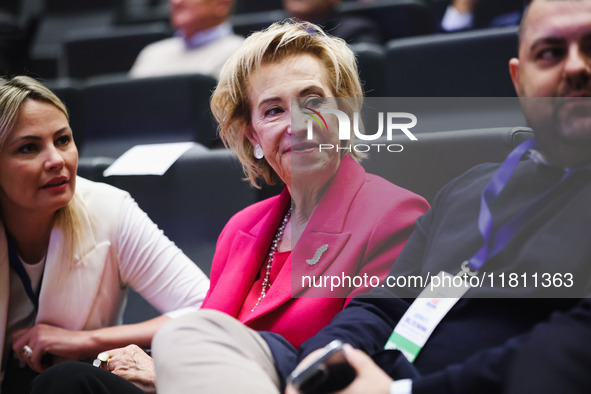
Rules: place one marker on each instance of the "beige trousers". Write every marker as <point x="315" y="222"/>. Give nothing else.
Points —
<point x="209" y="352"/>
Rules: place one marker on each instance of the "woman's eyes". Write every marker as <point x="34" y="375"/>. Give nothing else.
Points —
<point x="314" y="102"/>
<point x="32" y="147"/>
<point x="64" y="140"/>
<point x="273" y="111"/>
<point x="27" y="148"/>
<point x="309" y="102"/>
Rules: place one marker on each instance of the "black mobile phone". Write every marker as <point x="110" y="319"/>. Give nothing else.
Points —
<point x="329" y="372"/>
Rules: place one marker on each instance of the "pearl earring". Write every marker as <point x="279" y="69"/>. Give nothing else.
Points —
<point x="258" y="152"/>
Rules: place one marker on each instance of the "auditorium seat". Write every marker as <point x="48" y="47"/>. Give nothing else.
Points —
<point x="395" y="18"/>
<point x="93" y="167"/>
<point x="120" y="112"/>
<point x="371" y="61"/>
<point x="424" y="166"/>
<point x="248" y="6"/>
<point x="247" y="23"/>
<point x="69" y="91"/>
<point x="466" y="64"/>
<point x="108" y="51"/>
<point x="436" y="114"/>
<point x="193" y="200"/>
<point x="60" y="17"/>
<point x="191" y="203"/>
<point x="143" y="11"/>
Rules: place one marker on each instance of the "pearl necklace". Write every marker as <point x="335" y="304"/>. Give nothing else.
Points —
<point x="274" y="245"/>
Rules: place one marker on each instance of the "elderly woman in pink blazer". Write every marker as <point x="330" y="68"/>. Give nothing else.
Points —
<point x="275" y="103"/>
<point x="332" y="218"/>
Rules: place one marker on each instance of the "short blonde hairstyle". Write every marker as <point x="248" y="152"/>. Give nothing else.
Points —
<point x="230" y="101"/>
<point x="13" y="93"/>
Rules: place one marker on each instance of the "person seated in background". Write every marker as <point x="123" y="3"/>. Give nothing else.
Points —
<point x="203" y="42"/>
<point x="470" y="14"/>
<point x="523" y="217"/>
<point x="352" y="29"/>
<point x="332" y="218"/>
<point x="69" y="247"/>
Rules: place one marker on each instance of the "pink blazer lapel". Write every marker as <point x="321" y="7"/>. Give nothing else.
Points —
<point x="246" y="256"/>
<point x="277" y="295"/>
<point x="325" y="237"/>
<point x="326" y="227"/>
<point x="287" y="285"/>
<point x="238" y="275"/>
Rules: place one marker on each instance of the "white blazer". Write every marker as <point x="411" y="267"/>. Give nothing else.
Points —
<point x="121" y="247"/>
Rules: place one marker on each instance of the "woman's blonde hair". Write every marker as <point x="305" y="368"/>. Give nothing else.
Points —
<point x="230" y="104"/>
<point x="13" y="93"/>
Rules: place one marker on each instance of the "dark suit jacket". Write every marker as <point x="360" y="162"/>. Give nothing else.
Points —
<point x="471" y="349"/>
<point x="556" y="357"/>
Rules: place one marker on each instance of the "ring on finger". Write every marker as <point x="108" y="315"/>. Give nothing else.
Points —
<point x="102" y="361"/>
<point x="27" y="351"/>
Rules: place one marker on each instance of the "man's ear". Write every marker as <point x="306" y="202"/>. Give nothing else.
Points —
<point x="514" y="71"/>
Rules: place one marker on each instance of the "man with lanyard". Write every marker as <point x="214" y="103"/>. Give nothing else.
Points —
<point x="515" y="236"/>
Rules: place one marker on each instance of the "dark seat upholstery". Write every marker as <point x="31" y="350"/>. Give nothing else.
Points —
<point x="70" y="92"/>
<point x="467" y="64"/>
<point x="436" y="114"/>
<point x="247" y="23"/>
<point x="191" y="203"/>
<point x="247" y="6"/>
<point x="371" y="59"/>
<point x="108" y="51"/>
<point x="56" y="23"/>
<point x="424" y="166"/>
<point x="193" y="200"/>
<point x="120" y="112"/>
<point x="395" y="18"/>
<point x="93" y="167"/>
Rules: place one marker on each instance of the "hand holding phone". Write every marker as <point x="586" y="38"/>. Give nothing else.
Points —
<point x="327" y="373"/>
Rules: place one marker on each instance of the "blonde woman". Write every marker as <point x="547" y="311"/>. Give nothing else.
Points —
<point x="69" y="247"/>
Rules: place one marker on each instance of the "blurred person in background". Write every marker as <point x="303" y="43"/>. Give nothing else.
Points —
<point x="204" y="40"/>
<point x="352" y="29"/>
<point x="471" y="14"/>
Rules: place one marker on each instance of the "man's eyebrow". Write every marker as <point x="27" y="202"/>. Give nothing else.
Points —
<point x="547" y="41"/>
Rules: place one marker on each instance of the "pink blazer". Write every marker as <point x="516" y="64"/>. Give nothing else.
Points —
<point x="365" y="221"/>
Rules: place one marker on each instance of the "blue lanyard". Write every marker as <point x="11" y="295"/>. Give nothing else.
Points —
<point x="17" y="266"/>
<point x="495" y="242"/>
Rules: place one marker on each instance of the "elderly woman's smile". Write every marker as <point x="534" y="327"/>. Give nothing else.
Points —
<point x="281" y="95"/>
